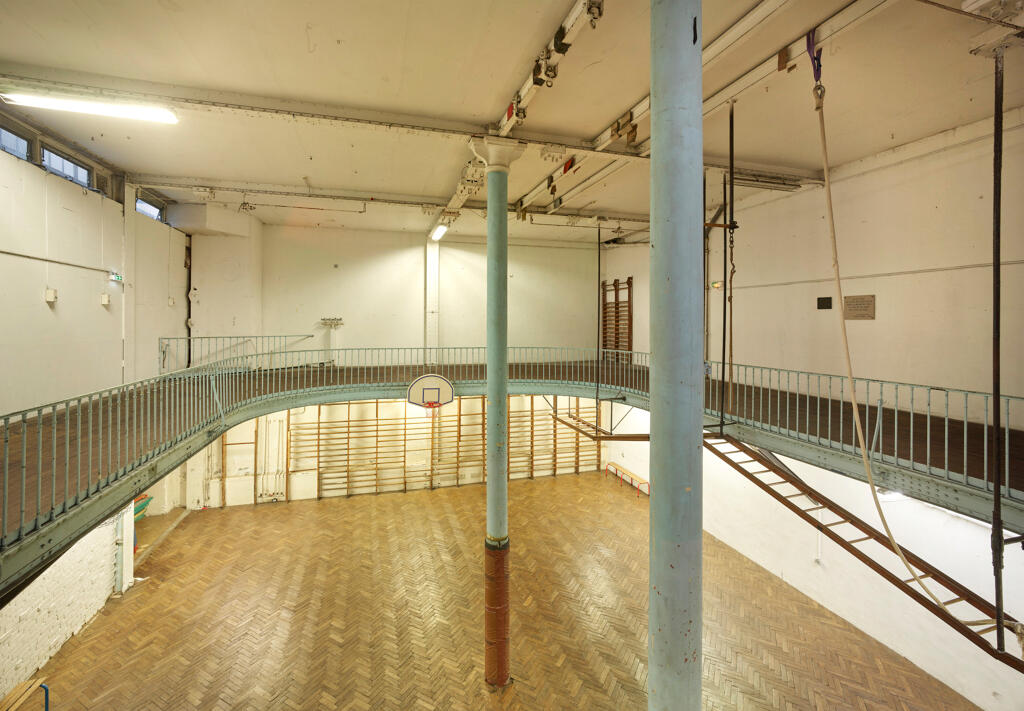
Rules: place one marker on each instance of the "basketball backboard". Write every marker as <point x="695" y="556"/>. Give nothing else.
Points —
<point x="431" y="391"/>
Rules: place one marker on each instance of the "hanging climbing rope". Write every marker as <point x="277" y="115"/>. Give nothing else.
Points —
<point x="819" y="107"/>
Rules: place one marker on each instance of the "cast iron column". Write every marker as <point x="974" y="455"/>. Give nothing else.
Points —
<point x="677" y="382"/>
<point x="497" y="154"/>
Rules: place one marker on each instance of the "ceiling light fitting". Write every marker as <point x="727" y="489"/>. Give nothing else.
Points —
<point x="81" y="105"/>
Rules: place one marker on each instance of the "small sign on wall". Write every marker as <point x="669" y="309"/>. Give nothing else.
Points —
<point x="859" y="308"/>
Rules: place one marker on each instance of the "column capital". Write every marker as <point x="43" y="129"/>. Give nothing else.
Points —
<point x="496" y="152"/>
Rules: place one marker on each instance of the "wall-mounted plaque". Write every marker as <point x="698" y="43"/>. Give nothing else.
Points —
<point x="859" y="308"/>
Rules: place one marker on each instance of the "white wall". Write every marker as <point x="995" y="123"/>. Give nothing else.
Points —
<point x="552" y="295"/>
<point x="913" y="225"/>
<point x="74" y="346"/>
<point x="35" y="624"/>
<point x="747" y="519"/>
<point x="158" y="282"/>
<point x="373" y="280"/>
<point x="227" y="281"/>
<point x="77" y="345"/>
<point x="376" y="282"/>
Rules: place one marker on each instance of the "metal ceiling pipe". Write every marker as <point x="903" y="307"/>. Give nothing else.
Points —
<point x="497" y="154"/>
<point x="677" y="382"/>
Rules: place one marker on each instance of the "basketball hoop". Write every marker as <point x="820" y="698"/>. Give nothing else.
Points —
<point x="431" y="391"/>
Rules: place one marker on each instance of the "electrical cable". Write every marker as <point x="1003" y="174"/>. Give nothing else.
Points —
<point x="819" y="100"/>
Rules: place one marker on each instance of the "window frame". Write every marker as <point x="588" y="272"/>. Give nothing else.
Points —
<point x="159" y="217"/>
<point x="90" y="172"/>
<point x="28" y="143"/>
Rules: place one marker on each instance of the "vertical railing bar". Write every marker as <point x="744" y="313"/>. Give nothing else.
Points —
<point x="796" y="432"/>
<point x="88" y="472"/>
<point x="817" y="415"/>
<point x="39" y="467"/>
<point x="830" y="441"/>
<point x="24" y="472"/>
<point x="78" y="451"/>
<point x="896" y="426"/>
<point x="928" y="434"/>
<point x="984" y="467"/>
<point x="67" y="453"/>
<point x="4" y="498"/>
<point x="53" y="462"/>
<point x="966" y="398"/>
<point x="913" y="416"/>
<point x="1006" y="448"/>
<point x="945" y="434"/>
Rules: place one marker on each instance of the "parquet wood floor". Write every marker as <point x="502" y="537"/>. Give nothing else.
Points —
<point x="374" y="602"/>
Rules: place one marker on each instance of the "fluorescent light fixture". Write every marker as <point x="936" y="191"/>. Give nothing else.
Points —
<point x="138" y="112"/>
<point x="438" y="232"/>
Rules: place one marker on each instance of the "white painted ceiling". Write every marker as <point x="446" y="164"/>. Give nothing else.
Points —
<point x="902" y="74"/>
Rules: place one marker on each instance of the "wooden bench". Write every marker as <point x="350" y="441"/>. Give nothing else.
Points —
<point x="623" y="474"/>
<point x="20" y="694"/>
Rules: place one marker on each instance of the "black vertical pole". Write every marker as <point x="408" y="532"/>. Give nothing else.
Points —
<point x="997" y="434"/>
<point x="725" y="277"/>
<point x="732" y="230"/>
<point x="732" y="170"/>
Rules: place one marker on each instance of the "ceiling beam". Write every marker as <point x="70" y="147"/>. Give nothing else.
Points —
<point x="626" y="125"/>
<point x="542" y="74"/>
<point x="67" y="83"/>
<point x="207" y="189"/>
<point x="211" y="190"/>
<point x="825" y="33"/>
<point x="545" y="67"/>
<point x="740" y="29"/>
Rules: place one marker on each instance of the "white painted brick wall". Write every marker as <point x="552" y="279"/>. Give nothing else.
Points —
<point x="56" y="605"/>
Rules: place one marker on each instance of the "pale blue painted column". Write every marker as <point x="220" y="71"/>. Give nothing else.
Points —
<point x="497" y="154"/>
<point x="674" y="632"/>
<point x="497" y="353"/>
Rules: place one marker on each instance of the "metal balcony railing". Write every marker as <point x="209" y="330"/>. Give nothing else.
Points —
<point x="180" y="352"/>
<point x="942" y="432"/>
<point x="54" y="457"/>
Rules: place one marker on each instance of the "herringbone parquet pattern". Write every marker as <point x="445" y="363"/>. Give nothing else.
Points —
<point x="374" y="602"/>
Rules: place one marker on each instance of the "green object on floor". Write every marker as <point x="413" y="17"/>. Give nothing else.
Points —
<point x="141" y="504"/>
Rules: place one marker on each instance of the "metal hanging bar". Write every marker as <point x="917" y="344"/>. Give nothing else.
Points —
<point x="997" y="433"/>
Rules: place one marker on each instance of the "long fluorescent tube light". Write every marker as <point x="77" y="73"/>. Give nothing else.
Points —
<point x="138" y="112"/>
<point x="438" y="232"/>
